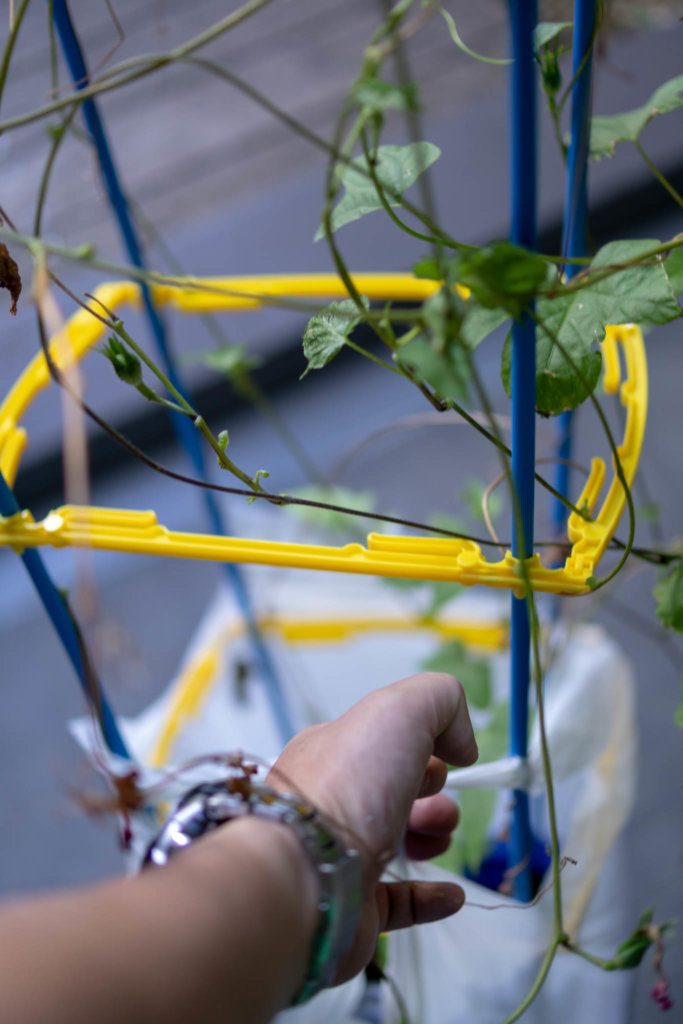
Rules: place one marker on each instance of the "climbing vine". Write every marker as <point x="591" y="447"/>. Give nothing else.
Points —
<point x="432" y="345"/>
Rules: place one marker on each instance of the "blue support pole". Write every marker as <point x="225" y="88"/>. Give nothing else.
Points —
<point x="58" y="612"/>
<point x="523" y="386"/>
<point x="575" y="211"/>
<point x="185" y="431"/>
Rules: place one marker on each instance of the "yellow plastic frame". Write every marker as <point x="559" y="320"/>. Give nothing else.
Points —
<point x="201" y="672"/>
<point x="427" y="558"/>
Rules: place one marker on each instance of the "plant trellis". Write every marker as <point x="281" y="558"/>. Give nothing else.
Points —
<point x="423" y="558"/>
<point x="428" y="558"/>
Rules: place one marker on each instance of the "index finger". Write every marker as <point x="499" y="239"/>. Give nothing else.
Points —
<point x="421" y="715"/>
<point x="447" y="717"/>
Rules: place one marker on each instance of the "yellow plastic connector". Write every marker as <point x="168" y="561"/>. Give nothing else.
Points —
<point x="425" y="558"/>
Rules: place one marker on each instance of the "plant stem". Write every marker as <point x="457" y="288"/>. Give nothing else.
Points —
<point x="599" y="19"/>
<point x="54" y="74"/>
<point x="590" y="277"/>
<point x="9" y="45"/>
<point x="381" y="195"/>
<point x="676" y="196"/>
<point x="32" y="243"/>
<point x="618" y="467"/>
<point x="83" y="254"/>
<point x="597" y="961"/>
<point x="152" y="396"/>
<point x="547" y="769"/>
<point x="537" y="985"/>
<point x="57" y="140"/>
<point x="246" y="385"/>
<point x="121" y="74"/>
<point x="199" y="421"/>
<point x="373" y="358"/>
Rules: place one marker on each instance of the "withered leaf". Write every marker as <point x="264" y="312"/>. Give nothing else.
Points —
<point x="9" y="277"/>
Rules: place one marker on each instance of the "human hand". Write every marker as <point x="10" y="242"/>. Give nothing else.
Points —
<point x="375" y="773"/>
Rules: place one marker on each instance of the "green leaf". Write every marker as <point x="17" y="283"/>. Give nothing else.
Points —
<point x="375" y="95"/>
<point x="473" y="495"/>
<point x="397" y="168"/>
<point x="607" y="132"/>
<point x="678" y="714"/>
<point x="631" y="952"/>
<point x="442" y="316"/>
<point x="127" y="366"/>
<point x="546" y="31"/>
<point x="474" y="673"/>
<point x="638" y="294"/>
<point x="479" y="322"/>
<point x="503" y="276"/>
<point x="470" y="840"/>
<point x="669" y="596"/>
<point x="223" y="441"/>
<point x="649" y="512"/>
<point x="328" y="332"/>
<point x="428" y="267"/>
<point x="548" y="58"/>
<point x="85" y="251"/>
<point x="492" y="740"/>
<point x="441" y="592"/>
<point x="643" y="293"/>
<point x="673" y="264"/>
<point x="558" y="387"/>
<point x="446" y="372"/>
<point x="455" y="36"/>
<point x="446" y="521"/>
<point x="231" y="360"/>
<point x="437" y="356"/>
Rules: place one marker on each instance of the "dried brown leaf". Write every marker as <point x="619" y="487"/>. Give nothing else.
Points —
<point x="9" y="277"/>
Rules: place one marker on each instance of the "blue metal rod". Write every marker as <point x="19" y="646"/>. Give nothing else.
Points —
<point x="55" y="606"/>
<point x="523" y="232"/>
<point x="185" y="431"/>
<point x="575" y="210"/>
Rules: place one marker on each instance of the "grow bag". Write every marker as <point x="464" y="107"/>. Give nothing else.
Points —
<point x="334" y="639"/>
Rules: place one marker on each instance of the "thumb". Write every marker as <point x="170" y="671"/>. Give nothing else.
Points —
<point x="403" y="904"/>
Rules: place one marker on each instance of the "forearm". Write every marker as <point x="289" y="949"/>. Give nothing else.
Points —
<point x="222" y="934"/>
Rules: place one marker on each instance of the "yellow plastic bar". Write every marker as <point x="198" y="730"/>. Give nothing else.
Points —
<point x="205" y="295"/>
<point x="201" y="673"/>
<point x="187" y="700"/>
<point x="308" y="629"/>
<point x="426" y="558"/>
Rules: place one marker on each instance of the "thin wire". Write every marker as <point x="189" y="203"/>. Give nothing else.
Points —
<point x="184" y="430"/>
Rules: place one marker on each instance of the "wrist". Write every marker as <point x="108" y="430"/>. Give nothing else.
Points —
<point x="306" y="852"/>
<point x="275" y="853"/>
<point x="253" y="886"/>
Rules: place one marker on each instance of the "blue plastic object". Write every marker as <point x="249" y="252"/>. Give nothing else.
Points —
<point x="185" y="431"/>
<point x="56" y="607"/>
<point x="523" y="386"/>
<point x="575" y="210"/>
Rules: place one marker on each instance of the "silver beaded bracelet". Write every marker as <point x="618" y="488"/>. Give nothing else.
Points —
<point x="213" y="804"/>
